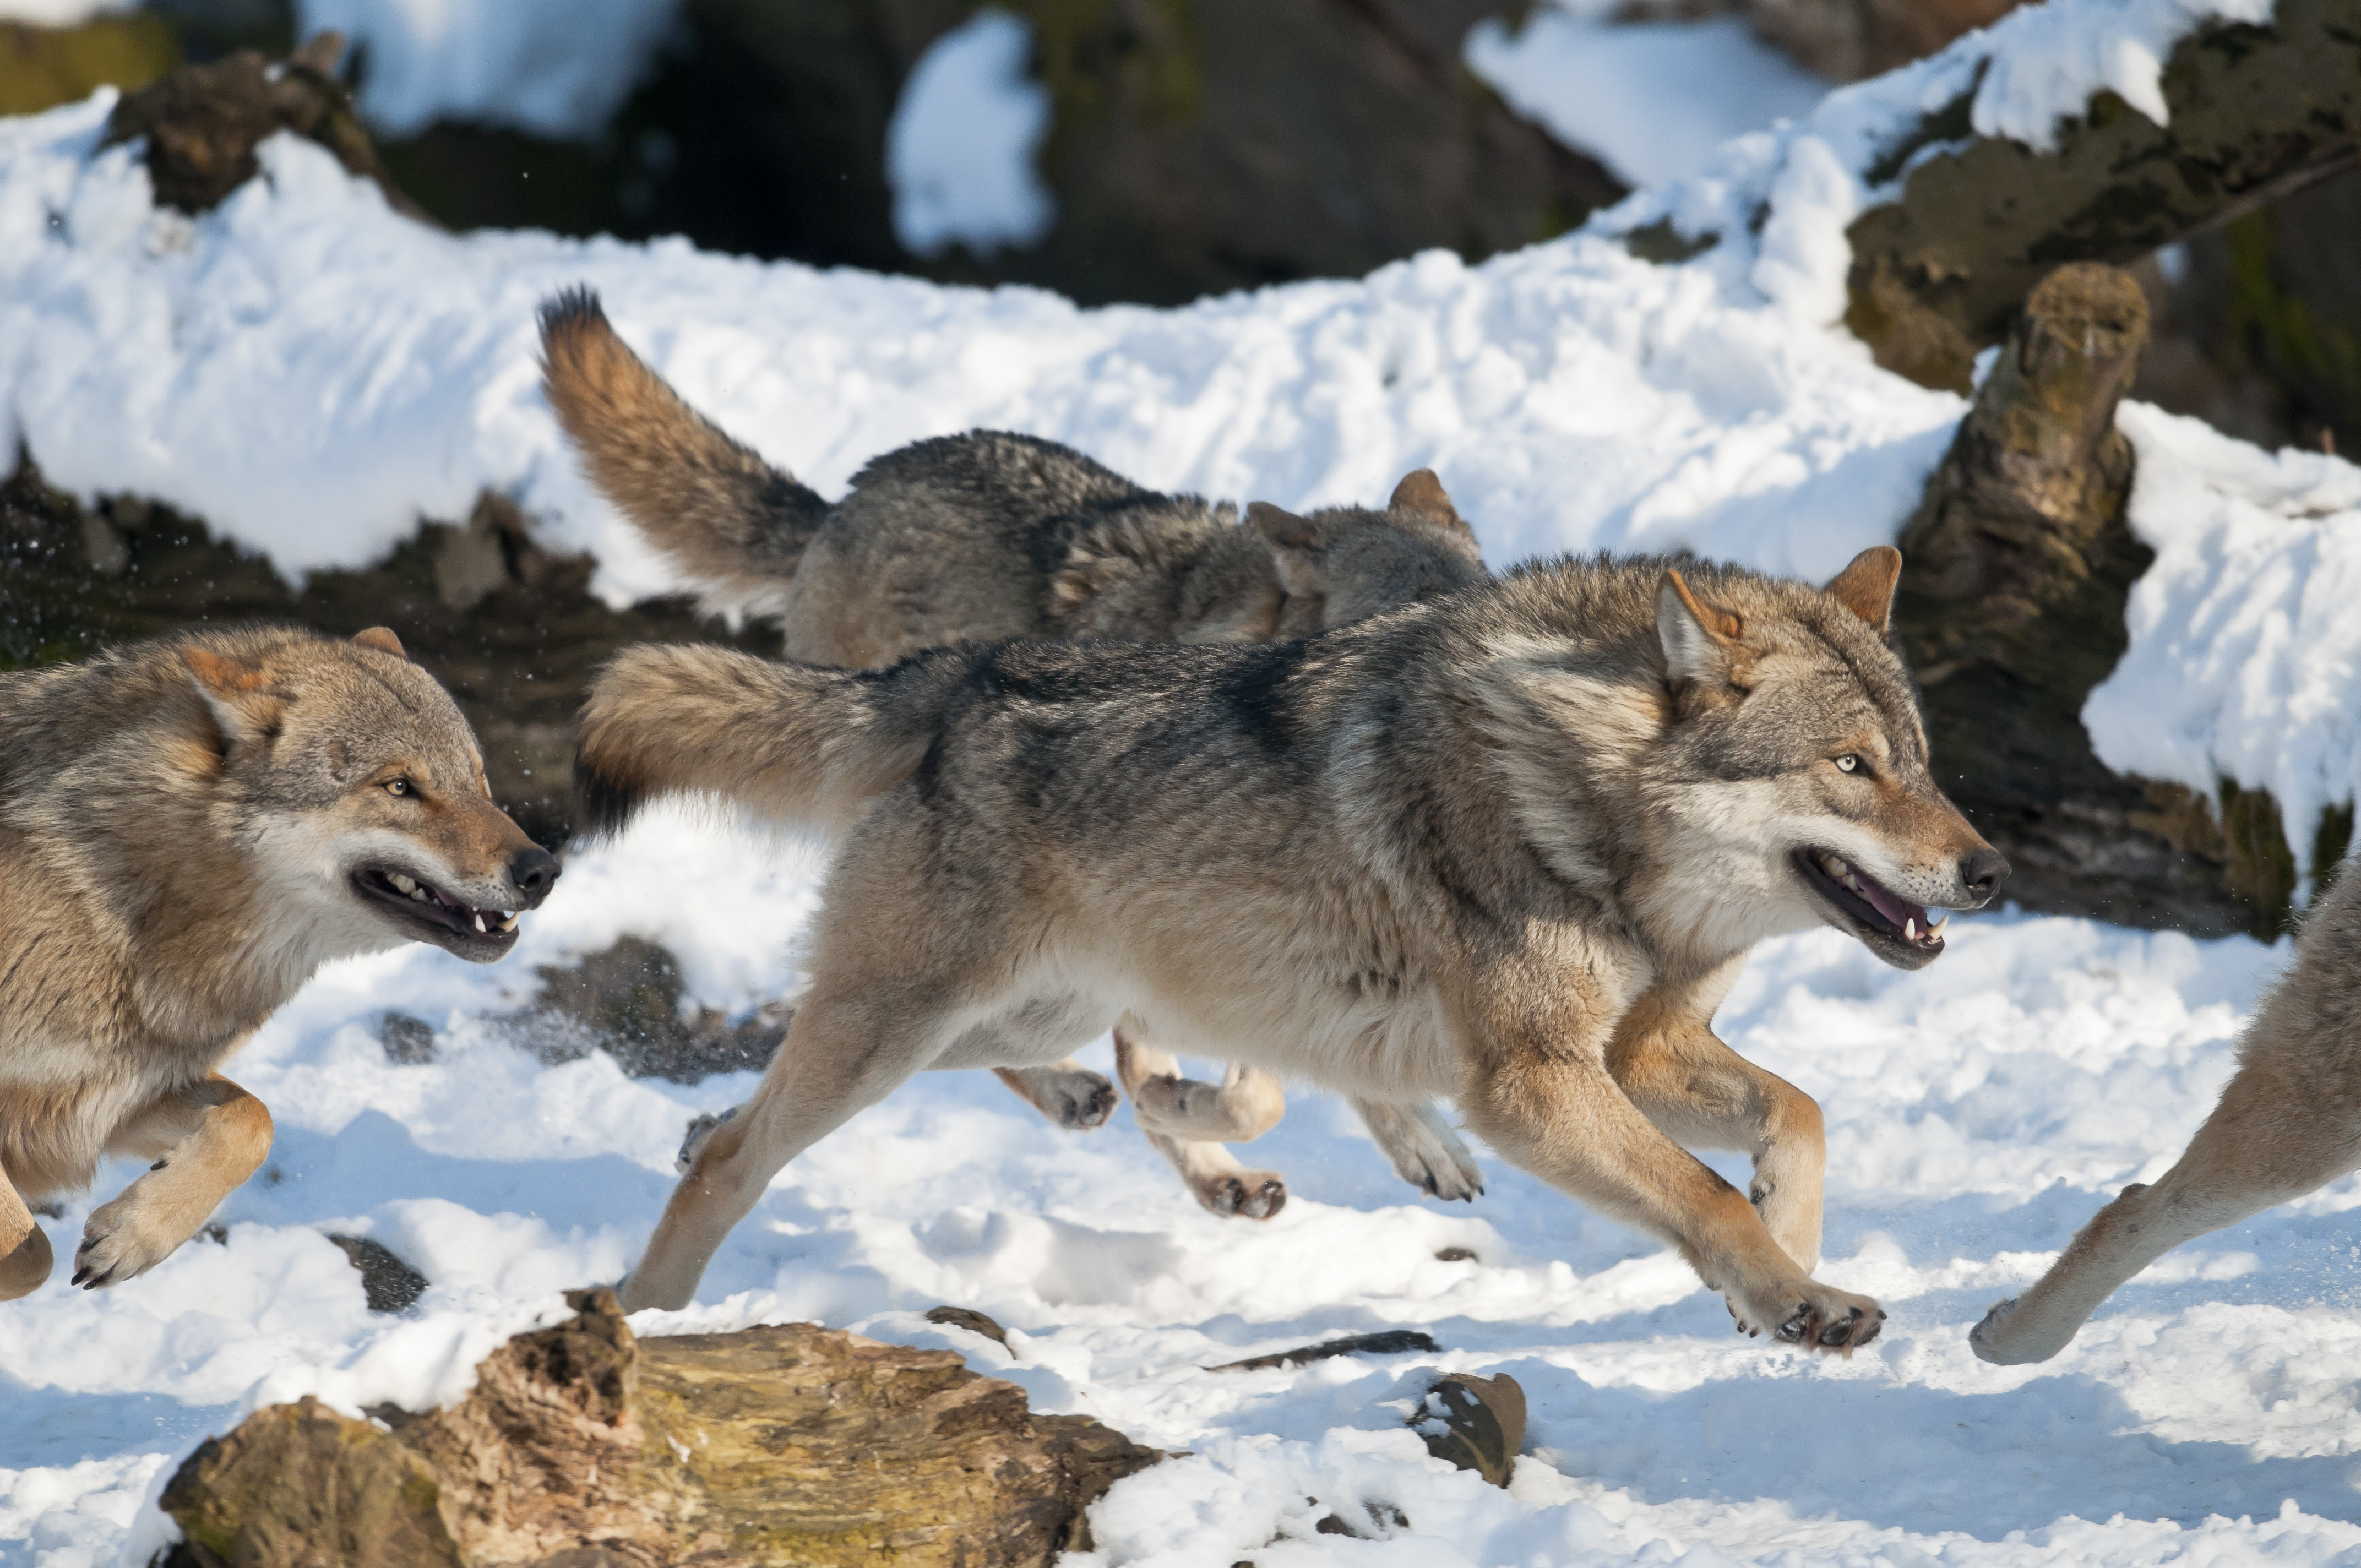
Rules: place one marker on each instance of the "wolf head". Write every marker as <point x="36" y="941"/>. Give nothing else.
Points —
<point x="357" y="787"/>
<point x="1755" y="743"/>
<point x="1347" y="563"/>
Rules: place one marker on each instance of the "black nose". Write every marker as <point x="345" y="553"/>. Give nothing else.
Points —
<point x="533" y="871"/>
<point x="1983" y="871"/>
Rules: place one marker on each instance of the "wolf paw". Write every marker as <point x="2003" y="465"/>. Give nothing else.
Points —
<point x="1429" y="1156"/>
<point x="1251" y="1194"/>
<point x="119" y="1243"/>
<point x="1083" y="1101"/>
<point x="24" y="1270"/>
<point x="1833" y="1319"/>
<point x="700" y="1128"/>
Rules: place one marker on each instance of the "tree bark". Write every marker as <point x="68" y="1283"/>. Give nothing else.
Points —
<point x="2016" y="569"/>
<point x="2257" y="112"/>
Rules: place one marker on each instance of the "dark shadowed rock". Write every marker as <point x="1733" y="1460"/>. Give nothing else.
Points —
<point x="582" y="1446"/>
<point x="390" y="1284"/>
<point x="626" y="1000"/>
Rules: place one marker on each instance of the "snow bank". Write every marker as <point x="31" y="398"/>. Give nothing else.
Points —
<point x="1651" y="99"/>
<point x="2246" y="649"/>
<point x="959" y="148"/>
<point x="557" y="68"/>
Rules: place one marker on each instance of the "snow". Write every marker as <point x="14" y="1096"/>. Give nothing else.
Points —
<point x="312" y="374"/>
<point x="960" y="149"/>
<point x="2050" y="58"/>
<point x="61" y="13"/>
<point x="557" y="68"/>
<point x="2246" y="653"/>
<point x="1651" y="99"/>
<point x="1977" y="1113"/>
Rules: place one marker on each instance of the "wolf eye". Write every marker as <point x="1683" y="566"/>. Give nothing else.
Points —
<point x="1848" y="764"/>
<point x="400" y="786"/>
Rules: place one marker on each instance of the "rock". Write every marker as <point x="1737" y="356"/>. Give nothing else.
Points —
<point x="583" y="1447"/>
<point x="407" y="1041"/>
<point x="625" y="1000"/>
<point x="388" y="1284"/>
<point x="974" y="1321"/>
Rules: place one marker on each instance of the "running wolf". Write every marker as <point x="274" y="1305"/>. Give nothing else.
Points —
<point x="1511" y="845"/>
<point x="985" y="536"/>
<point x="2290" y="1122"/>
<point x="190" y="827"/>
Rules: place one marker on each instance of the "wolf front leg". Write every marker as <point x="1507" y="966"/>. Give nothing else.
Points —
<point x="25" y="1255"/>
<point x="205" y="1140"/>
<point x="1666" y="1057"/>
<point x="1187" y="1122"/>
<point x="1541" y="1093"/>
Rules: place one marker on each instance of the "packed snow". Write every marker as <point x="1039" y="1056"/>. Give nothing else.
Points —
<point x="1651" y="99"/>
<point x="557" y="68"/>
<point x="1977" y="1113"/>
<point x="961" y="147"/>
<point x="312" y="374"/>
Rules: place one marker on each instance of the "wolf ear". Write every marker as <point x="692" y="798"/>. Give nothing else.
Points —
<point x="1699" y="640"/>
<point x="1423" y="493"/>
<point x="239" y="696"/>
<point x="1293" y="541"/>
<point x="1866" y="587"/>
<point x="382" y="638"/>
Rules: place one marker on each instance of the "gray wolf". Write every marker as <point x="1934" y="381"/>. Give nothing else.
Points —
<point x="189" y="827"/>
<point x="988" y="536"/>
<point x="1509" y="845"/>
<point x="2289" y="1122"/>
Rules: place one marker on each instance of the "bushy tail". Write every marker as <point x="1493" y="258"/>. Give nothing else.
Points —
<point x="797" y="744"/>
<point x="733" y="523"/>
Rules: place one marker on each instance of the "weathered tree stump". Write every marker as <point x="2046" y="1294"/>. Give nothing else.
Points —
<point x="2016" y="568"/>
<point x="582" y="1446"/>
<point x="2255" y="112"/>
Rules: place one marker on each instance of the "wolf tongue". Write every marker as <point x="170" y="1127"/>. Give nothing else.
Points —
<point x="1896" y="909"/>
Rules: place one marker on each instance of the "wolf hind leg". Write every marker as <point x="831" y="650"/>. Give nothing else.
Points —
<point x="1213" y="1175"/>
<point x="2274" y="1137"/>
<point x="1245" y="1105"/>
<point x="1425" y="1150"/>
<point x="847" y="1049"/>
<point x="206" y="1140"/>
<point x="25" y="1255"/>
<point x="1069" y="1093"/>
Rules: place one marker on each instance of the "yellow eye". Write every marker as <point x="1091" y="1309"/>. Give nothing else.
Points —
<point x="1848" y="764"/>
<point x="399" y="786"/>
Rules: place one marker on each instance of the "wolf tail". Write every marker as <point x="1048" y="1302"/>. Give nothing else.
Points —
<point x="733" y="523"/>
<point x="797" y="744"/>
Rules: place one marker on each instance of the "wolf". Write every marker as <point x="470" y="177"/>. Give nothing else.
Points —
<point x="2288" y="1122"/>
<point x="189" y="827"/>
<point x="1509" y="845"/>
<point x="987" y="536"/>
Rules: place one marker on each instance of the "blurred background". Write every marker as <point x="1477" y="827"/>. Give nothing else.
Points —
<point x="1157" y="151"/>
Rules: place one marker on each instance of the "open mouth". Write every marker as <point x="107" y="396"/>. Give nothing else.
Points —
<point x="1878" y="916"/>
<point x="432" y="907"/>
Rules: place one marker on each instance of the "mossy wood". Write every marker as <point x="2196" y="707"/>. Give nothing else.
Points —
<point x="582" y="1446"/>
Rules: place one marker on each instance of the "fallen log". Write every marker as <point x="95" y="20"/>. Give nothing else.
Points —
<point x="583" y="1446"/>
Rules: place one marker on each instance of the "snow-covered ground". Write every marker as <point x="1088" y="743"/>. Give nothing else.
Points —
<point x="1977" y="1113"/>
<point x="960" y="148"/>
<point x="312" y="374"/>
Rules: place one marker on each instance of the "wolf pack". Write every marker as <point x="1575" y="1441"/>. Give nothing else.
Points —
<point x="1318" y="796"/>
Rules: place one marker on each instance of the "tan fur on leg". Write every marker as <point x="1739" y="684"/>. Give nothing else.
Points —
<point x="1705" y="1095"/>
<point x="1216" y="1179"/>
<point x="207" y="1140"/>
<point x="25" y="1257"/>
<point x="1245" y="1105"/>
<point x="1067" y="1094"/>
